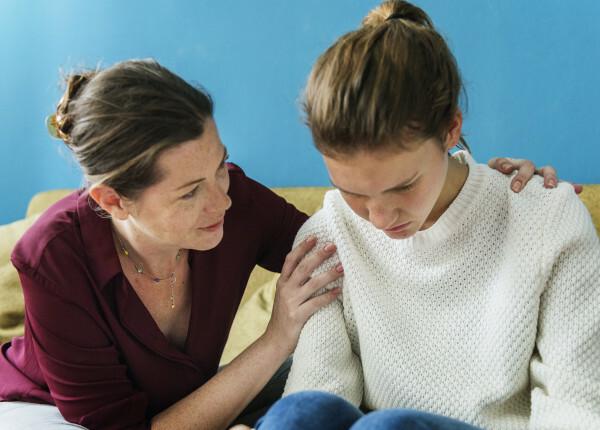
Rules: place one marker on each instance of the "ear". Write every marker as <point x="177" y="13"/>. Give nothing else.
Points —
<point x="453" y="136"/>
<point x="111" y="201"/>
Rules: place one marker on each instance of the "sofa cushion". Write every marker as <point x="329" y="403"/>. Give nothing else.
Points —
<point x="251" y="319"/>
<point x="11" y="295"/>
<point x="43" y="200"/>
<point x="591" y="198"/>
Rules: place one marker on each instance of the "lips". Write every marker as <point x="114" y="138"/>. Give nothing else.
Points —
<point x="397" y="228"/>
<point x="215" y="226"/>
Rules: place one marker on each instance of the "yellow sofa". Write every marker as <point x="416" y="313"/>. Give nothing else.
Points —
<point x="254" y="312"/>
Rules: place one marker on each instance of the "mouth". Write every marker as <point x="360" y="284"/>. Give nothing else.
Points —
<point x="214" y="227"/>
<point x="397" y="228"/>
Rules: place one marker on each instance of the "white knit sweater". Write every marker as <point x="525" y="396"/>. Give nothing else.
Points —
<point x="490" y="316"/>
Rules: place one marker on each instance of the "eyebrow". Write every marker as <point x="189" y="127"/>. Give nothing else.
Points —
<point x="196" y="181"/>
<point x="395" y="188"/>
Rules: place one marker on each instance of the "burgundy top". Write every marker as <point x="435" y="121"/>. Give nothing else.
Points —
<point x="91" y="347"/>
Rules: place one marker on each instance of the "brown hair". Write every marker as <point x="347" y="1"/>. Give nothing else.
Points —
<point x="390" y="83"/>
<point x="117" y="121"/>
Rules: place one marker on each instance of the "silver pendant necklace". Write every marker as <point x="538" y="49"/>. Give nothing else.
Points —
<point x="172" y="278"/>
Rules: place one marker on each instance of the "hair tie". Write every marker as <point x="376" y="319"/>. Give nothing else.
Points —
<point x="52" y="126"/>
<point x="396" y="16"/>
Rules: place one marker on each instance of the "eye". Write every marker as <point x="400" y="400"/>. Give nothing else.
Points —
<point x="224" y="162"/>
<point x="351" y="195"/>
<point x="190" y="194"/>
<point x="406" y="187"/>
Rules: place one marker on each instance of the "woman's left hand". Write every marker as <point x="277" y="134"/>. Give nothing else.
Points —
<point x="526" y="169"/>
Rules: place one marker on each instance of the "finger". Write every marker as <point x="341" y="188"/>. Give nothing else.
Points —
<point x="307" y="266"/>
<point x="295" y="255"/>
<point x="550" y="176"/>
<point x="578" y="188"/>
<point x="526" y="171"/>
<point x="317" y="302"/>
<point x="502" y="164"/>
<point x="320" y="281"/>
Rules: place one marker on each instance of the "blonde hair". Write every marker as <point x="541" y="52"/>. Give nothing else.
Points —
<point x="390" y="83"/>
<point x="118" y="121"/>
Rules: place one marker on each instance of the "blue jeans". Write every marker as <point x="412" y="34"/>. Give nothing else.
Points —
<point x="325" y="411"/>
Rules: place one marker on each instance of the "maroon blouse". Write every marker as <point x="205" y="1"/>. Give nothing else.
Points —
<point x="91" y="347"/>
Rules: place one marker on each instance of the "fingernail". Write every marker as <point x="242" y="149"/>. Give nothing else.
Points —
<point x="506" y="166"/>
<point x="329" y="247"/>
<point x="339" y="268"/>
<point x="516" y="186"/>
<point x="310" y="239"/>
<point x="552" y="183"/>
<point x="337" y="291"/>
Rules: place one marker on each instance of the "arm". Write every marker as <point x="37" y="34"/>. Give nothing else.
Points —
<point x="324" y="358"/>
<point x="92" y="386"/>
<point x="220" y="400"/>
<point x="565" y="371"/>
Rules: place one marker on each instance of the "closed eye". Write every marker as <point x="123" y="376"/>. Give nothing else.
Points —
<point x="349" y="194"/>
<point x="405" y="187"/>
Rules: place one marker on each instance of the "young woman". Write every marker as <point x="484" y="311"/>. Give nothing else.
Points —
<point x="462" y="304"/>
<point x="132" y="283"/>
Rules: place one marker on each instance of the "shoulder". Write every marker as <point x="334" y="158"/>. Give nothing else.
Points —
<point x="59" y="219"/>
<point x="247" y="193"/>
<point x="322" y="223"/>
<point x="259" y="220"/>
<point x="567" y="217"/>
<point x="70" y="245"/>
<point x="533" y="198"/>
<point x="547" y="205"/>
<point x="558" y="214"/>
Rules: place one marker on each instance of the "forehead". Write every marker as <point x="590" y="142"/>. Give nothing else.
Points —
<point x="368" y="172"/>
<point x="194" y="157"/>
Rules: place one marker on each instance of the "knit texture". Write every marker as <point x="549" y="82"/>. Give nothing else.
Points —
<point x="490" y="316"/>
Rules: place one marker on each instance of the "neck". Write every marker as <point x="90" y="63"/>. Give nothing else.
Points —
<point x="456" y="176"/>
<point x="150" y="255"/>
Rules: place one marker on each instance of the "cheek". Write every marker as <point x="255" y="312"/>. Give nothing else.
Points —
<point x="421" y="200"/>
<point x="358" y="206"/>
<point x="224" y="181"/>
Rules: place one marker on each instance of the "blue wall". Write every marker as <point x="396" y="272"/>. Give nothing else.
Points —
<point x="527" y="66"/>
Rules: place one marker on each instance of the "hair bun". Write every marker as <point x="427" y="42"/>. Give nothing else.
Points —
<point x="74" y="85"/>
<point x="397" y="10"/>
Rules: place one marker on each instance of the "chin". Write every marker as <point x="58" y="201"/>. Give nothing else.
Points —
<point x="400" y="234"/>
<point x="207" y="241"/>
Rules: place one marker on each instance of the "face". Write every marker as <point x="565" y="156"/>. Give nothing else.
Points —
<point x="399" y="192"/>
<point x="186" y="208"/>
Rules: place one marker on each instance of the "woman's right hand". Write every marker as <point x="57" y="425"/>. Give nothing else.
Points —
<point x="294" y="303"/>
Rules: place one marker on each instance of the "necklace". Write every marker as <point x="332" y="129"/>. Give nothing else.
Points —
<point x="172" y="278"/>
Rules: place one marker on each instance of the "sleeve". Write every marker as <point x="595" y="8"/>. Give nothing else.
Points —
<point x="79" y="361"/>
<point x="565" y="371"/>
<point x="324" y="359"/>
<point x="274" y="221"/>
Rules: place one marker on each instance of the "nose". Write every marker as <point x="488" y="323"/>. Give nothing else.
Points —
<point x="381" y="214"/>
<point x="218" y="199"/>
